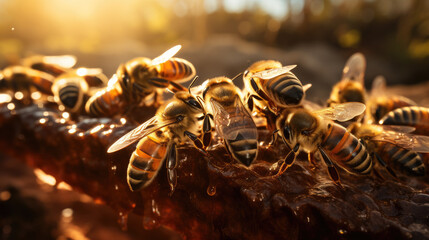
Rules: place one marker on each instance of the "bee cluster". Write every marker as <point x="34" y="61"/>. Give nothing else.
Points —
<point x="356" y="131"/>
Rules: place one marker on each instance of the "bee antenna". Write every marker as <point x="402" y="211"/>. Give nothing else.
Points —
<point x="236" y="76"/>
<point x="192" y="83"/>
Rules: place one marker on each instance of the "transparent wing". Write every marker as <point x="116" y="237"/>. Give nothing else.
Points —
<point x="65" y="61"/>
<point x="354" y="70"/>
<point x="378" y="86"/>
<point x="271" y="73"/>
<point x="166" y="55"/>
<point x="342" y="112"/>
<point x="417" y="143"/>
<point x="82" y="71"/>
<point x="139" y="132"/>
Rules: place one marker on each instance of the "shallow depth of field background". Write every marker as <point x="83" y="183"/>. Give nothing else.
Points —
<point x="223" y="37"/>
<point x="220" y="37"/>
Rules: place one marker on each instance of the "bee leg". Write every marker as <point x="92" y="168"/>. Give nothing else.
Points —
<point x="273" y="138"/>
<point x="289" y="160"/>
<point x="312" y="160"/>
<point x="331" y="168"/>
<point x="171" y="167"/>
<point x="383" y="163"/>
<point x="164" y="83"/>
<point x="197" y="142"/>
<point x="207" y="131"/>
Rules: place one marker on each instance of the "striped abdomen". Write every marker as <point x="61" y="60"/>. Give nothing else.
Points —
<point x="69" y="95"/>
<point x="417" y="117"/>
<point x="285" y="90"/>
<point x="346" y="150"/>
<point x="145" y="163"/>
<point x="406" y="160"/>
<point x="240" y="136"/>
<point x="106" y="103"/>
<point x="389" y="104"/>
<point x="176" y="69"/>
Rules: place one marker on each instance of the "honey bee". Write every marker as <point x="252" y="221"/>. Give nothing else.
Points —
<point x="273" y="86"/>
<point x="309" y="131"/>
<point x="233" y="122"/>
<point x="351" y="86"/>
<point x="395" y="144"/>
<point x="174" y="123"/>
<point x="54" y="65"/>
<point x="414" y="116"/>
<point x="138" y="79"/>
<point x="71" y="89"/>
<point x="25" y="80"/>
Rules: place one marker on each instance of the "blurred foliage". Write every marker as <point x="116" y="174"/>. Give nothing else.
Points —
<point x="395" y="29"/>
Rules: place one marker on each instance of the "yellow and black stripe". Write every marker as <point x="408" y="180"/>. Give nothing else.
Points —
<point x="176" y="69"/>
<point x="106" y="102"/>
<point x="285" y="90"/>
<point x="346" y="150"/>
<point x="145" y="163"/>
<point x="403" y="159"/>
<point x="410" y="116"/>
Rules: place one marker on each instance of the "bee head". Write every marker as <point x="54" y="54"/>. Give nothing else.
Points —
<point x="302" y="123"/>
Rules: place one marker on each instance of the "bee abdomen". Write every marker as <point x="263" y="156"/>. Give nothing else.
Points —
<point x="145" y="163"/>
<point x="107" y="102"/>
<point x="406" y="116"/>
<point x="346" y="150"/>
<point x="245" y="146"/>
<point x="407" y="161"/>
<point x="177" y="69"/>
<point x="285" y="90"/>
<point x="69" y="95"/>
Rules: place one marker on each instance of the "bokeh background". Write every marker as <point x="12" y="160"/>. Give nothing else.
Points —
<point x="220" y="37"/>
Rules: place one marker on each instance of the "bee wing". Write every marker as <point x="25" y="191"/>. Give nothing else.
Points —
<point x="378" y="86"/>
<point x="271" y="73"/>
<point x="139" y="132"/>
<point x="342" y="112"/>
<point x="417" y="143"/>
<point x="354" y="69"/>
<point x="166" y="55"/>
<point x="65" y="61"/>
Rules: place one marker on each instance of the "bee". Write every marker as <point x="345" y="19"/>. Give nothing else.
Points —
<point x="414" y="116"/>
<point x="25" y="80"/>
<point x="273" y="85"/>
<point x="351" y="86"/>
<point x="395" y="144"/>
<point x="309" y="131"/>
<point x="174" y="123"/>
<point x="72" y="89"/>
<point x="138" y="79"/>
<point x="54" y="65"/>
<point x="233" y="123"/>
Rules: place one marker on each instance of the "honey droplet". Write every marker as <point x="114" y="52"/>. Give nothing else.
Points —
<point x="211" y="190"/>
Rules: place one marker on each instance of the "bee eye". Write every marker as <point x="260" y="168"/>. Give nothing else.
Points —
<point x="194" y="103"/>
<point x="286" y="133"/>
<point x="125" y="77"/>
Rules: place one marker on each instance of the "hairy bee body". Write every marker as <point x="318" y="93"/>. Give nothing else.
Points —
<point x="23" y="79"/>
<point x="174" y="123"/>
<point x="283" y="89"/>
<point x="403" y="159"/>
<point x="380" y="106"/>
<point x="136" y="80"/>
<point x="346" y="150"/>
<point x="312" y="133"/>
<point x="232" y="121"/>
<point x="411" y="116"/>
<point x="176" y="69"/>
<point x="146" y="160"/>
